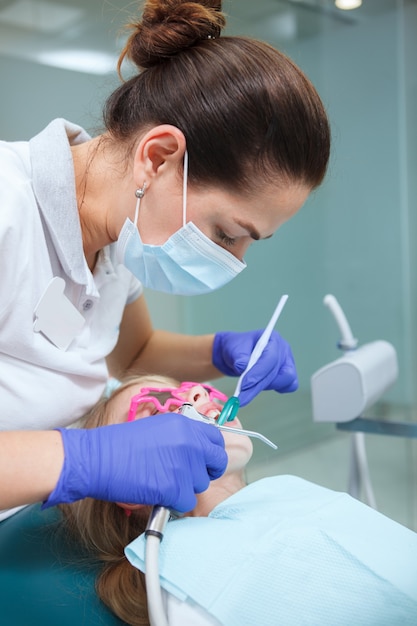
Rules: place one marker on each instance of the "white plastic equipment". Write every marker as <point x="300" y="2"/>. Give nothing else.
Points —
<point x="345" y="388"/>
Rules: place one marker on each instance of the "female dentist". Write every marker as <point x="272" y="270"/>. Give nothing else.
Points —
<point x="214" y="144"/>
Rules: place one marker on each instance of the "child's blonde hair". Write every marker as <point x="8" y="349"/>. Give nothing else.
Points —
<point x="105" y="529"/>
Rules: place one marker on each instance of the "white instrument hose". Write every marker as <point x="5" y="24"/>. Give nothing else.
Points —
<point x="154" y="534"/>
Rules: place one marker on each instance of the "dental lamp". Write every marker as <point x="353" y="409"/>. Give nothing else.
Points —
<point x="345" y="388"/>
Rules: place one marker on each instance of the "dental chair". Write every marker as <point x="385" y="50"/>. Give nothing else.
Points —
<point x="45" y="578"/>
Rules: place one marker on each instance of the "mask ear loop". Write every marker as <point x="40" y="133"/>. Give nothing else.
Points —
<point x="184" y="189"/>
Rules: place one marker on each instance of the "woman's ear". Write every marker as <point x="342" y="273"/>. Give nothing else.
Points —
<point x="161" y="147"/>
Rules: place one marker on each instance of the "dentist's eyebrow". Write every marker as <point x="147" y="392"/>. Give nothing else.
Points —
<point x="250" y="228"/>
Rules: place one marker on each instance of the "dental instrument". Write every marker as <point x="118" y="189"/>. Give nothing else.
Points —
<point x="189" y="411"/>
<point x="229" y="410"/>
<point x="231" y="407"/>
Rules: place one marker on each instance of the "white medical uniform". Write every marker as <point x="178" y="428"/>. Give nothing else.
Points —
<point x="41" y="385"/>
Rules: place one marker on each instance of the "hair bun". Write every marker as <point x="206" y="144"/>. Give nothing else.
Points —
<point x="170" y="26"/>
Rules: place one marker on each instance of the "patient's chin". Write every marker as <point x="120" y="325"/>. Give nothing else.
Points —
<point x="239" y="450"/>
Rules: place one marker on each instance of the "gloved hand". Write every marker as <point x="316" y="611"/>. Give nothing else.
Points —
<point x="275" y="368"/>
<point x="162" y="459"/>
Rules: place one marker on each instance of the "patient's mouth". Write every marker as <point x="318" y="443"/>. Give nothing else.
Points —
<point x="210" y="409"/>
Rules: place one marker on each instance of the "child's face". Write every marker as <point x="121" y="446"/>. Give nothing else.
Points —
<point x="199" y="397"/>
<point x="238" y="447"/>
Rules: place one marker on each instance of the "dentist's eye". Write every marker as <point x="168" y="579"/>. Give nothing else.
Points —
<point x="225" y="239"/>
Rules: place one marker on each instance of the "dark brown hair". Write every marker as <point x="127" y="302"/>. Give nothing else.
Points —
<point x="248" y="113"/>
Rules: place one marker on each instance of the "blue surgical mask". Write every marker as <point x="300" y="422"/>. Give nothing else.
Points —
<point x="188" y="263"/>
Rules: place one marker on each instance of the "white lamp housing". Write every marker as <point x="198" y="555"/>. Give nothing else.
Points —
<point x="344" y="389"/>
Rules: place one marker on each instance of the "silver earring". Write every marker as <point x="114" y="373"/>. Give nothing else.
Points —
<point x="139" y="193"/>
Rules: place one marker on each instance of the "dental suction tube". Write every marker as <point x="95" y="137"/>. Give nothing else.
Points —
<point x="154" y="534"/>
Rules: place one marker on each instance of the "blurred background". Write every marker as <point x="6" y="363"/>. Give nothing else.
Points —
<point x="354" y="238"/>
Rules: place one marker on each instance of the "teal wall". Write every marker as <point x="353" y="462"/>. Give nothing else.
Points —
<point x="32" y="95"/>
<point x="408" y="30"/>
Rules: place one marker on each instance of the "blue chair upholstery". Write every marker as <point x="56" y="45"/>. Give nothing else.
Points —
<point x="44" y="577"/>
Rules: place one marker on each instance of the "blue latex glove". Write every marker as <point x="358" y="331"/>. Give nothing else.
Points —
<point x="275" y="368"/>
<point x="163" y="459"/>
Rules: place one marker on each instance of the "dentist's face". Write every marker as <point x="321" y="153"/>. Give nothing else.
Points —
<point x="232" y="220"/>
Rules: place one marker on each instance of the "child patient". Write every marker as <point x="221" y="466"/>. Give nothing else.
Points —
<point x="279" y="551"/>
<point x="106" y="528"/>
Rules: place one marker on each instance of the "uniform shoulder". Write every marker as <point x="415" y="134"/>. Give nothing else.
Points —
<point x="16" y="192"/>
<point x="14" y="161"/>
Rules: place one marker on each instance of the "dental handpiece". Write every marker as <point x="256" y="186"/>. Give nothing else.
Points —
<point x="189" y="411"/>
